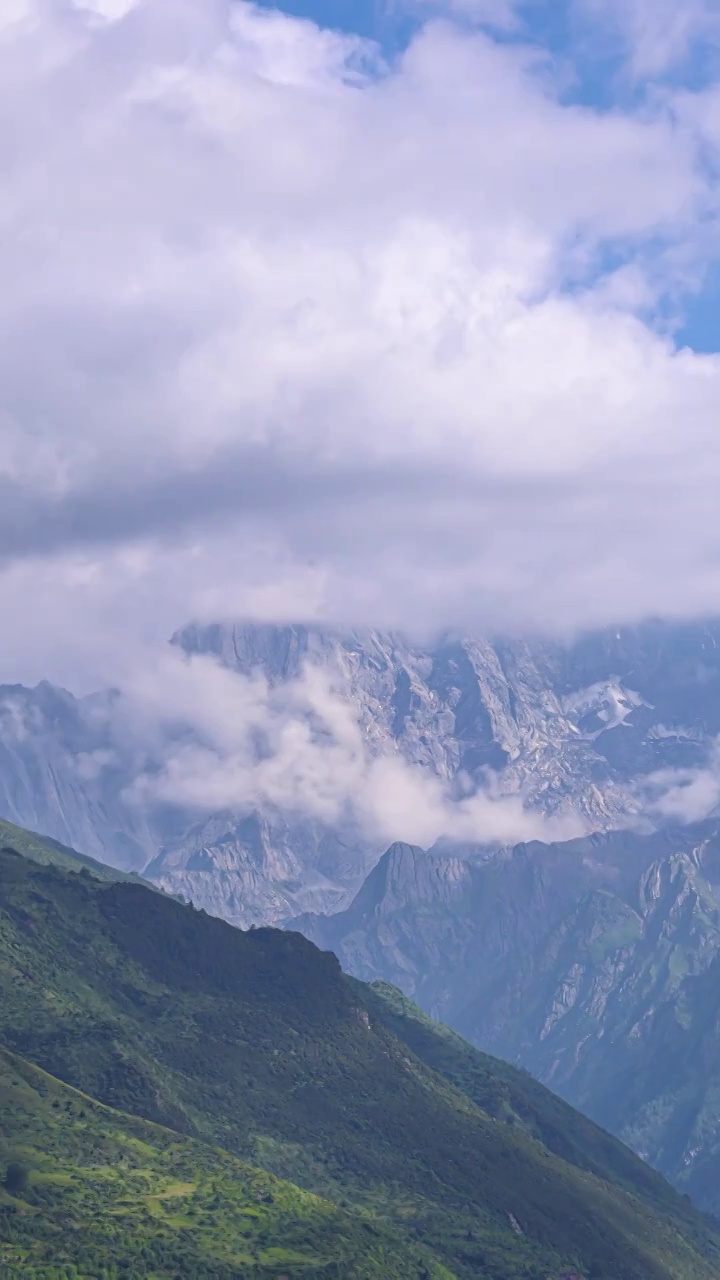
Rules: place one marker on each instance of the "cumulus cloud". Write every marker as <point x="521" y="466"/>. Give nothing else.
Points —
<point x="289" y="328"/>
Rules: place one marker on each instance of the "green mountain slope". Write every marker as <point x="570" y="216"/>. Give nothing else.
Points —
<point x="90" y="1188"/>
<point x="258" y="1043"/>
<point x="49" y="852"/>
<point x="516" y="1098"/>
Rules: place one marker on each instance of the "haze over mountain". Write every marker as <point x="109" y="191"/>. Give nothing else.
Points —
<point x="262" y="770"/>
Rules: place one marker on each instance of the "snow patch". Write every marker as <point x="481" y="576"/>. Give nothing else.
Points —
<point x="608" y="701"/>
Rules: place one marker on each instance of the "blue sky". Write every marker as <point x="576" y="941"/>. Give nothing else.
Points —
<point x="700" y="328"/>
<point x="594" y="48"/>
<point x="594" y="59"/>
<point x="360" y="17"/>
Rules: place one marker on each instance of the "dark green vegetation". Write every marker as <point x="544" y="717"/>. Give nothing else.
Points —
<point x="595" y="964"/>
<point x="516" y="1098"/>
<point x="88" y="1191"/>
<point x="258" y="1043"/>
<point x="51" y="853"/>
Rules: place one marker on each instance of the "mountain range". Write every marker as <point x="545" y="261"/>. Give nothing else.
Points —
<point x="589" y="961"/>
<point x="592" y="963"/>
<point x="576" y="729"/>
<point x="184" y="1098"/>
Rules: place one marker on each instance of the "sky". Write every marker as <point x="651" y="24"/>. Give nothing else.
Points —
<point x="404" y="316"/>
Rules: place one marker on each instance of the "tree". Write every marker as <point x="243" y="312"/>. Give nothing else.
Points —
<point x="16" y="1179"/>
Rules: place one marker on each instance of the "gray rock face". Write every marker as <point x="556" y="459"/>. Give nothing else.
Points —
<point x="458" y="708"/>
<point x="595" y="964"/>
<point x="61" y="774"/>
<point x="66" y="770"/>
<point x="571" y="724"/>
<point x="253" y="870"/>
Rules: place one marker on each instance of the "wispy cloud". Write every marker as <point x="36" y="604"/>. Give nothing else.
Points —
<point x="684" y="795"/>
<point x="235" y="742"/>
<point x="658" y="36"/>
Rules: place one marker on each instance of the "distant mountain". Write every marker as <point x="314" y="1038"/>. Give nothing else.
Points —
<point x="571" y="724"/>
<point x="66" y="769"/>
<point x="63" y="773"/>
<point x="257" y="868"/>
<point x="572" y="727"/>
<point x="258" y="1043"/>
<point x="595" y="964"/>
<point x="459" y="706"/>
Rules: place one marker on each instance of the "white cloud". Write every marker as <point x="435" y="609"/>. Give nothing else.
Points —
<point x="657" y="35"/>
<point x="286" y="329"/>
<point x="684" y="795"/>
<point x="229" y="741"/>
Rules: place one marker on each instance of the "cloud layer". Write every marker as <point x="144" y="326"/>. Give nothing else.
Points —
<point x="287" y="328"/>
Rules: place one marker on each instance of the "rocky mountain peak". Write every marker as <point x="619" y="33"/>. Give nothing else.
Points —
<point x="407" y="874"/>
<point x="571" y="728"/>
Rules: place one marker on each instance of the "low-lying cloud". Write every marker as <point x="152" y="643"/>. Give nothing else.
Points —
<point x="238" y="743"/>
<point x="684" y="795"/>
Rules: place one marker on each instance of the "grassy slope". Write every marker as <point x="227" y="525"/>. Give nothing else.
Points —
<point x="49" y="852"/>
<point x="516" y="1098"/>
<point x="109" y="1194"/>
<point x="258" y="1043"/>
